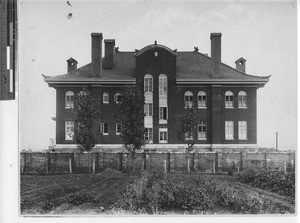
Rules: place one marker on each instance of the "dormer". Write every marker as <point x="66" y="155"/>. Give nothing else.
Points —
<point x="241" y="65"/>
<point x="72" y="64"/>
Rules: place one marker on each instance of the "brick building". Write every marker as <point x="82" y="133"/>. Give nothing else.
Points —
<point x="224" y="97"/>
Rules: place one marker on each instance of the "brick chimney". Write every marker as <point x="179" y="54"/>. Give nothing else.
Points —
<point x="109" y="53"/>
<point x="72" y="64"/>
<point x="216" y="54"/>
<point x="97" y="54"/>
<point x="240" y="65"/>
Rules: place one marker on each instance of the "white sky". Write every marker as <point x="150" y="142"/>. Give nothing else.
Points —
<point x="264" y="33"/>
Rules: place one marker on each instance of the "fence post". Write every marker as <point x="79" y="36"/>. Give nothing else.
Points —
<point x="241" y="161"/>
<point x="70" y="164"/>
<point x="168" y="162"/>
<point x="216" y="162"/>
<point x="144" y="161"/>
<point x="94" y="165"/>
<point x="48" y="163"/>
<point x="102" y="161"/>
<point x="165" y="166"/>
<point x="265" y="159"/>
<point x="120" y="161"/>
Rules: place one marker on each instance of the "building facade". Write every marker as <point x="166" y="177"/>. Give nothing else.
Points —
<point x="224" y="97"/>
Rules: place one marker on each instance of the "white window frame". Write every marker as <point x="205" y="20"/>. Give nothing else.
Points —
<point x="69" y="99"/>
<point x="188" y="99"/>
<point x="148" y="83"/>
<point x="161" y="113"/>
<point x="120" y="126"/>
<point x="242" y="99"/>
<point x="148" y="109"/>
<point x="229" y="130"/>
<point x="69" y="130"/>
<point x="103" y="128"/>
<point x="149" y="131"/>
<point x="243" y="131"/>
<point x="202" y="99"/>
<point x="163" y="85"/>
<point x="117" y="97"/>
<point x="105" y="98"/>
<point x="202" y="130"/>
<point x="229" y="99"/>
<point x="163" y="131"/>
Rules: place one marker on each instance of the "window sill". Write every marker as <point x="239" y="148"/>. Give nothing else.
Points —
<point x="163" y="141"/>
<point x="229" y="139"/>
<point x="202" y="107"/>
<point x="243" y="107"/>
<point x="229" y="107"/>
<point x="105" y="134"/>
<point x="243" y="139"/>
<point x="202" y="139"/>
<point x="105" y="103"/>
<point x="163" y="121"/>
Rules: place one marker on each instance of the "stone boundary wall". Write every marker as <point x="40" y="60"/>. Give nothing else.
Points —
<point x="203" y="162"/>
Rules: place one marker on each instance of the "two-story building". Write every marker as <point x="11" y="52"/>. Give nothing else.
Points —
<point x="225" y="97"/>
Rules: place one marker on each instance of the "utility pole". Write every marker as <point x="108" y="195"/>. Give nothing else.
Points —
<point x="276" y="133"/>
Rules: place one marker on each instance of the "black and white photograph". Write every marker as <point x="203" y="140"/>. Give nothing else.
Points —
<point x="155" y="108"/>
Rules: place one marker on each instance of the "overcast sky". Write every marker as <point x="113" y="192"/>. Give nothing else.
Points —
<point x="264" y="33"/>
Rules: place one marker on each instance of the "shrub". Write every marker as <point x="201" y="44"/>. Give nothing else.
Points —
<point x="156" y="193"/>
<point x="270" y="179"/>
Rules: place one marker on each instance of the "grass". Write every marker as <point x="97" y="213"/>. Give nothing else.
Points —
<point x="103" y="193"/>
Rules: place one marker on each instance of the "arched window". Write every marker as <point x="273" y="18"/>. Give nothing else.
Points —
<point x="228" y="99"/>
<point x="148" y="83"/>
<point x="201" y="99"/>
<point x="242" y="98"/>
<point x="188" y="99"/>
<point x="105" y="98"/>
<point x="69" y="100"/>
<point x="163" y="85"/>
<point x="118" y="97"/>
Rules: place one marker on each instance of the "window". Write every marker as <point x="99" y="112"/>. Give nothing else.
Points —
<point x="148" y="109"/>
<point x="118" y="129"/>
<point x="163" y="115"/>
<point x="201" y="99"/>
<point x="148" y="135"/>
<point x="229" y="130"/>
<point x="118" y="97"/>
<point x="163" y="135"/>
<point x="70" y="99"/>
<point x="69" y="130"/>
<point x="242" y="130"/>
<point x="105" y="98"/>
<point x="228" y="99"/>
<point x="148" y="83"/>
<point x="163" y="85"/>
<point x="188" y="99"/>
<point x="202" y="129"/>
<point x="104" y="128"/>
<point x="242" y="98"/>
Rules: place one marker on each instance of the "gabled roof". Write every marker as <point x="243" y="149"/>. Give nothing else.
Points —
<point x="192" y="68"/>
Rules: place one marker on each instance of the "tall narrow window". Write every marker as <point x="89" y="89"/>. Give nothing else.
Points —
<point x="229" y="130"/>
<point x="148" y="83"/>
<point x="104" y="128"/>
<point x="202" y="129"/>
<point x="105" y="98"/>
<point x="228" y="99"/>
<point x="242" y="130"/>
<point x="148" y="135"/>
<point x="163" y="135"/>
<point x="163" y="85"/>
<point x="118" y="128"/>
<point x="148" y="109"/>
<point x="163" y="115"/>
<point x="69" y="99"/>
<point x="69" y="130"/>
<point x="201" y="99"/>
<point x="188" y="99"/>
<point x="242" y="98"/>
<point x="118" y="97"/>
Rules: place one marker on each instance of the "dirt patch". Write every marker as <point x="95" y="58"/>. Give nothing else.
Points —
<point x="109" y="171"/>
